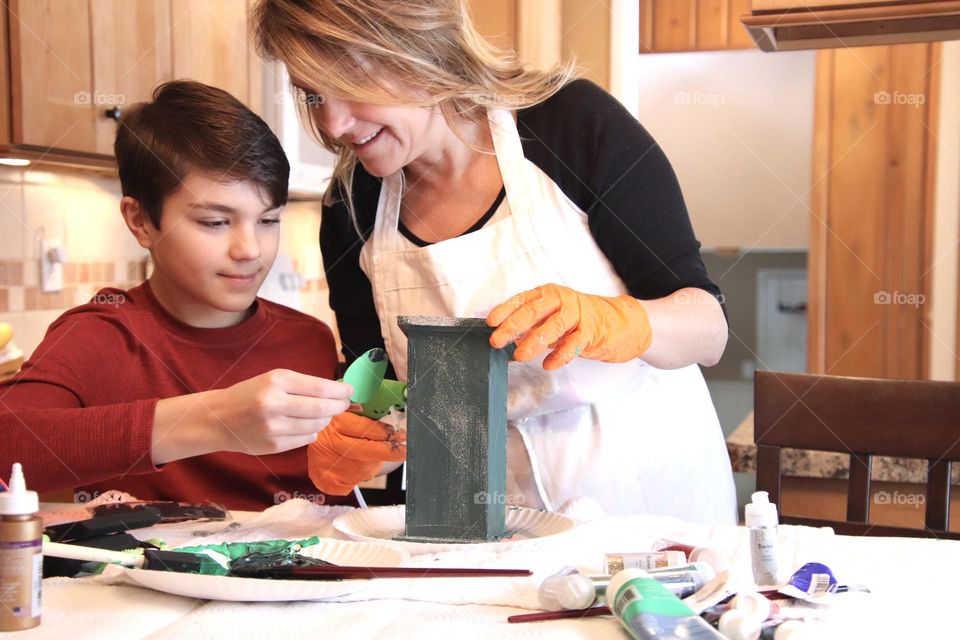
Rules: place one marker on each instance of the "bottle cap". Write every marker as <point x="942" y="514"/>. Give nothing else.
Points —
<point x="753" y="605"/>
<point x="760" y="512"/>
<point x="717" y="559"/>
<point x="577" y="592"/>
<point x="17" y="501"/>
<point x="737" y="625"/>
<point x="549" y="592"/>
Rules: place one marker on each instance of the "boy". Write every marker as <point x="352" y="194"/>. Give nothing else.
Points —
<point x="189" y="387"/>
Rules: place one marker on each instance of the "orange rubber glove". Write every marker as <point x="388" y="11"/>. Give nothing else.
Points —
<point x="352" y="449"/>
<point x="572" y="324"/>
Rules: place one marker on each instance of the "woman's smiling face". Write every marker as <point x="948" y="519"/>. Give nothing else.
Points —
<point x="385" y="138"/>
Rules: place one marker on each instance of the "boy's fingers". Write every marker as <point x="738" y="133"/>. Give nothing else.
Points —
<point x="309" y="408"/>
<point x="296" y="383"/>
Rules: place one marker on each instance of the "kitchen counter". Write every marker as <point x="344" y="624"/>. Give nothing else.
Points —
<point x="823" y="464"/>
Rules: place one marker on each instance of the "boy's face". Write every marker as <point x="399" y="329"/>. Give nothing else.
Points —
<point x="215" y="245"/>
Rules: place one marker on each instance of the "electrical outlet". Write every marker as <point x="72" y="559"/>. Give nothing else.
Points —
<point x="52" y="257"/>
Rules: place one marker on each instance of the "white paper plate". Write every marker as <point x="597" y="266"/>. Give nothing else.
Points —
<point x="384" y="524"/>
<point x="341" y="552"/>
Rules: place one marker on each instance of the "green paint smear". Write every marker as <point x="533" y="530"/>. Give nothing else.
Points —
<point x="235" y="550"/>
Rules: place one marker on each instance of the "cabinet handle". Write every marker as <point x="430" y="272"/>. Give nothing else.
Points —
<point x="113" y="113"/>
<point x="792" y="308"/>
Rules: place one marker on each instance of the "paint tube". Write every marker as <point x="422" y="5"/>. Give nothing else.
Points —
<point x="712" y="593"/>
<point x="568" y="589"/>
<point x="616" y="562"/>
<point x="719" y="560"/>
<point x="650" y="612"/>
<point x="813" y="582"/>
<point x="686" y="580"/>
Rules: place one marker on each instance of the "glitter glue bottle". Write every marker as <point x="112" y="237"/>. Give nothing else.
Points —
<point x="761" y="517"/>
<point x="21" y="557"/>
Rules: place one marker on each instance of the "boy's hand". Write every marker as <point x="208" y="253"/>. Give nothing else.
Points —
<point x="273" y="412"/>
<point x="352" y="449"/>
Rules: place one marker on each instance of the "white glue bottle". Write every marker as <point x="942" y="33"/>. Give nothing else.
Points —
<point x="761" y="517"/>
<point x="21" y="557"/>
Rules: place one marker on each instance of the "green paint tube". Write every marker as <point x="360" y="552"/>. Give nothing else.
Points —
<point x="650" y="612"/>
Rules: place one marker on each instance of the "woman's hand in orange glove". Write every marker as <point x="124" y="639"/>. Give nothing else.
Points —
<point x="571" y="324"/>
<point x="352" y="449"/>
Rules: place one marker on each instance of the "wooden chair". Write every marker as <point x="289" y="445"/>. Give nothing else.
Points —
<point x="863" y="417"/>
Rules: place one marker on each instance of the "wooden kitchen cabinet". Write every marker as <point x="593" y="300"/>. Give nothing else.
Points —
<point x="211" y="44"/>
<point x="872" y="197"/>
<point x="790" y="25"/>
<point x="71" y="62"/>
<point x="532" y="28"/>
<point x="50" y="70"/>
<point x="693" y="25"/>
<point x="780" y="5"/>
<point x="131" y="56"/>
<point x="496" y="20"/>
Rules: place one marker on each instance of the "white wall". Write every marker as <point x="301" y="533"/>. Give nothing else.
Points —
<point x="738" y="128"/>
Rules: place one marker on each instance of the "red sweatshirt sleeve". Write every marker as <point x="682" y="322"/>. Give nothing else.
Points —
<point x="53" y="418"/>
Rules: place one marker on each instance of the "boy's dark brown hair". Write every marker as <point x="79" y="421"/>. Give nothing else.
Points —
<point x="189" y="126"/>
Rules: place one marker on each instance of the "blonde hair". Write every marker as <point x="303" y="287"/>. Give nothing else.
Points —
<point x="349" y="46"/>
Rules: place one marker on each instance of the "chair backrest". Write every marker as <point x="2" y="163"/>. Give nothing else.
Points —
<point x="863" y="417"/>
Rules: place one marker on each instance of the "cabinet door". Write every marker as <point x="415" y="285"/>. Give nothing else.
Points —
<point x="211" y="44"/>
<point x="667" y="25"/>
<point x="496" y="20"/>
<point x="772" y="5"/>
<point x="870" y="258"/>
<point x="131" y="56"/>
<point x="52" y="75"/>
<point x="693" y="25"/>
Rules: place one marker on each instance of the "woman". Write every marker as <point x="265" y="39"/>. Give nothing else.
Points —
<point x="463" y="180"/>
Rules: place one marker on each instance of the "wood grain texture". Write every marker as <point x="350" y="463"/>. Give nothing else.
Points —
<point x="6" y="134"/>
<point x="131" y="56"/>
<point x="52" y="74"/>
<point x="870" y="247"/>
<point x="693" y="25"/>
<point x="211" y="44"/>
<point x="496" y="20"/>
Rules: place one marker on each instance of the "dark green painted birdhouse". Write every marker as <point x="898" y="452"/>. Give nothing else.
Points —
<point x="456" y="430"/>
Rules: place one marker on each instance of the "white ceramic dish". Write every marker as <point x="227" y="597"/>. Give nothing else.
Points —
<point x="341" y="552"/>
<point x="384" y="524"/>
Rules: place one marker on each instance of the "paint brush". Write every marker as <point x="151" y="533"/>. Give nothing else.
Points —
<point x="151" y="559"/>
<point x="560" y="615"/>
<point x="362" y="573"/>
<point x="90" y="554"/>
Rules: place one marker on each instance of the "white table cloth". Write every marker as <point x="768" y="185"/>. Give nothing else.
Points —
<point x="912" y="582"/>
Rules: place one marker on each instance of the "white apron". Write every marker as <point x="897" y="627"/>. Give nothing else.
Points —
<point x="635" y="438"/>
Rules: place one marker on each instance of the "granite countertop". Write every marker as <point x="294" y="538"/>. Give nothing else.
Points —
<point x="824" y="464"/>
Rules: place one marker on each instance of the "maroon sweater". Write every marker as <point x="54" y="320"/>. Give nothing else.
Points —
<point x="80" y="413"/>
